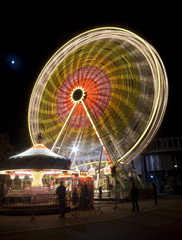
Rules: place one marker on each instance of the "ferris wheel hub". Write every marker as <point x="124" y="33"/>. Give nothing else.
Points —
<point x="78" y="94"/>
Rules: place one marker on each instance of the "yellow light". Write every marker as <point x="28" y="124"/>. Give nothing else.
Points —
<point x="37" y="179"/>
<point x="78" y="94"/>
<point x="84" y="164"/>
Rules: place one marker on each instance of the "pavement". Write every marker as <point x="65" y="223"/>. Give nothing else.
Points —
<point x="105" y="221"/>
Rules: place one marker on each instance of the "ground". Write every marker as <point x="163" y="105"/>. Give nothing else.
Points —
<point x="104" y="222"/>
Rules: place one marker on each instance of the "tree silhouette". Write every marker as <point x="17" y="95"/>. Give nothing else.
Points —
<point x="6" y="148"/>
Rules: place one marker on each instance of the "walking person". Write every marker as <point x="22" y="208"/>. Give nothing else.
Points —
<point x="134" y="197"/>
<point x="61" y="192"/>
<point x="154" y="191"/>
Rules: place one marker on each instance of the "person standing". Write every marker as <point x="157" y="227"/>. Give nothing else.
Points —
<point x="85" y="196"/>
<point x="79" y="191"/>
<point x="61" y="192"/>
<point x="154" y="191"/>
<point x="75" y="198"/>
<point x="100" y="193"/>
<point x="134" y="197"/>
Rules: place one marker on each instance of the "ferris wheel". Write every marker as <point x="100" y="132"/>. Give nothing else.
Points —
<point x="104" y="88"/>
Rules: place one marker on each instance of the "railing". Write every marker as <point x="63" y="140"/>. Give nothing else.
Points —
<point x="29" y="200"/>
<point x="164" y="145"/>
<point x="110" y="194"/>
<point x="33" y="201"/>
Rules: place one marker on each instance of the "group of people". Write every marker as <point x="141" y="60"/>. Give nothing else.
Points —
<point x="81" y="197"/>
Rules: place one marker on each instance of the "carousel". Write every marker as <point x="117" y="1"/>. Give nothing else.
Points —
<point x="32" y="177"/>
<point x="35" y="170"/>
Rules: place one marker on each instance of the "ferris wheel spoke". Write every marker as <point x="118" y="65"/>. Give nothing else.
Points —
<point x="63" y="137"/>
<point x="65" y="123"/>
<point x="95" y="129"/>
<point x="76" y="144"/>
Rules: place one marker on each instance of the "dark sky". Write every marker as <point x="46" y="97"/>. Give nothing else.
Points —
<point x="31" y="35"/>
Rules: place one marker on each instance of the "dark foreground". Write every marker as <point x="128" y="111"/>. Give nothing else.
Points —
<point x="152" y="222"/>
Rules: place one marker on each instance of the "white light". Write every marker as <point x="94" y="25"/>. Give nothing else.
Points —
<point x="21" y="176"/>
<point x="23" y="172"/>
<point x="53" y="172"/>
<point x="75" y="149"/>
<point x="12" y="62"/>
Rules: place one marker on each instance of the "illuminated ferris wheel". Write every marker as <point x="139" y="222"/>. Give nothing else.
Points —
<point x="104" y="88"/>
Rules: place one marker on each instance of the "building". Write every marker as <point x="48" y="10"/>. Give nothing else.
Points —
<point x="161" y="162"/>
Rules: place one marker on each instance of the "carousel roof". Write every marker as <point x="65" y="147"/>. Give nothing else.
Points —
<point x="38" y="150"/>
<point x="37" y="157"/>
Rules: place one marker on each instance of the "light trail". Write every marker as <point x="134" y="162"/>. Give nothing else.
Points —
<point x="149" y="75"/>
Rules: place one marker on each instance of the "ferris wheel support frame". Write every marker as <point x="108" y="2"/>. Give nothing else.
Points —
<point x="95" y="129"/>
<point x="78" y="140"/>
<point x="69" y="115"/>
<point x="92" y="123"/>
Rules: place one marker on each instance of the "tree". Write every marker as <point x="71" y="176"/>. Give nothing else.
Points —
<point x="6" y="149"/>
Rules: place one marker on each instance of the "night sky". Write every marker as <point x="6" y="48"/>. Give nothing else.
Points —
<point x="31" y="35"/>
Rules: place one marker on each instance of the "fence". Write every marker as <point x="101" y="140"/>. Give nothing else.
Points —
<point x="29" y="200"/>
<point x="110" y="194"/>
